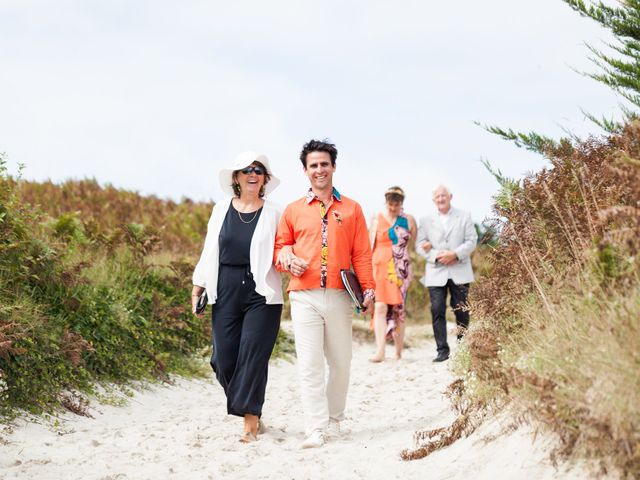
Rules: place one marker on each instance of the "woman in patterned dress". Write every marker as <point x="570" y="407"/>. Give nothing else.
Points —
<point x="390" y="233"/>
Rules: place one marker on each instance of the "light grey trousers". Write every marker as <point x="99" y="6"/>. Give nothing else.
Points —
<point x="322" y="328"/>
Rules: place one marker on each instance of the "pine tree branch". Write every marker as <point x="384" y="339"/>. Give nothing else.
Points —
<point x="531" y="141"/>
<point x="509" y="187"/>
<point x="609" y="125"/>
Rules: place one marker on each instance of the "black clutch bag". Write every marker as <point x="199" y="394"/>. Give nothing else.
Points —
<point x="203" y="299"/>
<point x="352" y="286"/>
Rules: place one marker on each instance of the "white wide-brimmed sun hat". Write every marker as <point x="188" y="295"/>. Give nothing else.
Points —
<point x="244" y="160"/>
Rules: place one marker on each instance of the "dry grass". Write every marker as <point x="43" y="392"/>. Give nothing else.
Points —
<point x="583" y="373"/>
<point x="104" y="212"/>
<point x="470" y="416"/>
<point x="556" y="330"/>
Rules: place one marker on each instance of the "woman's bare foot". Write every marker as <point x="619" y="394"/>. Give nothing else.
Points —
<point x="251" y="427"/>
<point x="377" y="358"/>
<point x="248" y="437"/>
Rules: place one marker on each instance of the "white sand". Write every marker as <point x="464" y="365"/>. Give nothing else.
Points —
<point x="182" y="431"/>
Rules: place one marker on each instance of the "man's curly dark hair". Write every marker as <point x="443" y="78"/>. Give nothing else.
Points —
<point x="318" y="146"/>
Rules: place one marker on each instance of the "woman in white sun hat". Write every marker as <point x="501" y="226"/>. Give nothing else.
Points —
<point x="244" y="288"/>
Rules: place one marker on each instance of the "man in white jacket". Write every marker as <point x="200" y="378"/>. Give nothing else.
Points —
<point x="446" y="240"/>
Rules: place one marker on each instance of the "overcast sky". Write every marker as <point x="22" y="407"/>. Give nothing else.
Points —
<point x="157" y="96"/>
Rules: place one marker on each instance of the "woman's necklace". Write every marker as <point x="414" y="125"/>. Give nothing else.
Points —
<point x="255" y="214"/>
<point x="249" y="205"/>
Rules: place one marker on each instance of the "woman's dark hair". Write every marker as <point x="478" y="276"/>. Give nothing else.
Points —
<point x="236" y="186"/>
<point x="318" y="146"/>
<point x="394" y="194"/>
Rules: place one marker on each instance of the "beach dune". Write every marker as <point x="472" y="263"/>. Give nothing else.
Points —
<point x="182" y="431"/>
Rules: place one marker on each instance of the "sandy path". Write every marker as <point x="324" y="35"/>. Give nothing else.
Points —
<point x="181" y="431"/>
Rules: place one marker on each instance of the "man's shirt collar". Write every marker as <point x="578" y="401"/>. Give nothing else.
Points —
<point x="312" y="196"/>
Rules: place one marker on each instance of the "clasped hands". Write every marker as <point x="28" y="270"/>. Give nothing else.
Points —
<point x="290" y="262"/>
<point x="445" y="257"/>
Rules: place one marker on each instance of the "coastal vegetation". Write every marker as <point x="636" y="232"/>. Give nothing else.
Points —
<point x="94" y="288"/>
<point x="555" y="335"/>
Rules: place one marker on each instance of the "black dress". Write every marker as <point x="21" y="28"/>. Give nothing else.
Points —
<point x="245" y="327"/>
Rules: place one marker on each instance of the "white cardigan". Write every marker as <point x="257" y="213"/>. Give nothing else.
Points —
<point x="268" y="280"/>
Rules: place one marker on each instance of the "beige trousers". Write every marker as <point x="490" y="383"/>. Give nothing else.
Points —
<point x="322" y="328"/>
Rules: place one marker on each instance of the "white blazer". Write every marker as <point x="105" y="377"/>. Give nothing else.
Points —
<point x="460" y="237"/>
<point x="268" y="280"/>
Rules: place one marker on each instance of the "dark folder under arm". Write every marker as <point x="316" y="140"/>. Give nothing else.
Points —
<point x="352" y="285"/>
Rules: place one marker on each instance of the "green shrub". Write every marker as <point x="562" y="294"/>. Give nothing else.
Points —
<point x="76" y="310"/>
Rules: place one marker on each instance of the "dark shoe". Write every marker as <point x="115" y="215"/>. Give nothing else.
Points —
<point x="441" y="357"/>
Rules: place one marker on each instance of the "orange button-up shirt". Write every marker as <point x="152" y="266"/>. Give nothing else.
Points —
<point x="348" y="241"/>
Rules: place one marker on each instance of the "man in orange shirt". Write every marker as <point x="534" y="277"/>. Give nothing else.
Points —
<point x="318" y="235"/>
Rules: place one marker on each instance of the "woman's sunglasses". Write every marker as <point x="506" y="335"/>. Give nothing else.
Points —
<point x="256" y="170"/>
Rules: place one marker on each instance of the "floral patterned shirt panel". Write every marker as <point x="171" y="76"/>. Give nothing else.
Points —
<point x="324" y="218"/>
